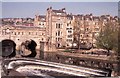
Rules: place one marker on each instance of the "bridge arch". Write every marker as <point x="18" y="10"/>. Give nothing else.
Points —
<point x="8" y="48"/>
<point x="29" y="46"/>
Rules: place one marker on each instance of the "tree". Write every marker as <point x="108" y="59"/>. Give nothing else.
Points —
<point x="76" y="32"/>
<point x="118" y="50"/>
<point x="108" y="38"/>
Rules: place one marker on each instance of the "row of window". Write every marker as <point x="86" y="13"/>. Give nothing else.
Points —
<point x="88" y="23"/>
<point x="59" y="25"/>
<point x="21" y="33"/>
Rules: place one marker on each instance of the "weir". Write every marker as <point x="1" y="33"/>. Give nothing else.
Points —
<point x="27" y="64"/>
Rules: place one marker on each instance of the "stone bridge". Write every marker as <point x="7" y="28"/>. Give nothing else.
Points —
<point x="12" y="37"/>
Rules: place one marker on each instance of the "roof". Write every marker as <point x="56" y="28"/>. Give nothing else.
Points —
<point x="95" y="17"/>
<point x="58" y="11"/>
<point x="70" y="16"/>
<point x="42" y="16"/>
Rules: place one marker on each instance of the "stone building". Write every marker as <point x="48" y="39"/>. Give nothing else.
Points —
<point x="69" y="30"/>
<point x="57" y="29"/>
<point x="40" y="21"/>
<point x="90" y="26"/>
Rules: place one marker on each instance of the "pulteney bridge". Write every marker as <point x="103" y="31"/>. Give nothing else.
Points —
<point x="12" y="37"/>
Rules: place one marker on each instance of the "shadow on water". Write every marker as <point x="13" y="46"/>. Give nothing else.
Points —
<point x="8" y="48"/>
<point x="31" y="46"/>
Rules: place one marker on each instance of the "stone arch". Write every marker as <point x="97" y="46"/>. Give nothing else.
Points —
<point x="29" y="45"/>
<point x="8" y="48"/>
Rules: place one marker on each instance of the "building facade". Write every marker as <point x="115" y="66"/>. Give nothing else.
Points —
<point x="57" y="29"/>
<point x="20" y="35"/>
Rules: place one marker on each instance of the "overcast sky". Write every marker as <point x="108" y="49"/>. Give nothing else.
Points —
<point x="29" y="9"/>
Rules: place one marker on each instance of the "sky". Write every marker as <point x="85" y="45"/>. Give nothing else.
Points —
<point x="59" y="0"/>
<point x="29" y="9"/>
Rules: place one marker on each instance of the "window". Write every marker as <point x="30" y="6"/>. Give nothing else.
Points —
<point x="69" y="40"/>
<point x="58" y="45"/>
<point x="67" y="24"/>
<point x="42" y="33"/>
<point x="58" y="39"/>
<point x="58" y="33"/>
<point x="69" y="36"/>
<point x="87" y="29"/>
<point x="58" y="25"/>
<point x="22" y="33"/>
<point x="29" y="33"/>
<point x="18" y="33"/>
<point x="15" y="33"/>
<point x="69" y="31"/>
<point x="81" y="35"/>
<point x="87" y="35"/>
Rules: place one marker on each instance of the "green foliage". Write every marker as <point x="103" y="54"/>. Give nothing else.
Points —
<point x="67" y="50"/>
<point x="108" y="37"/>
